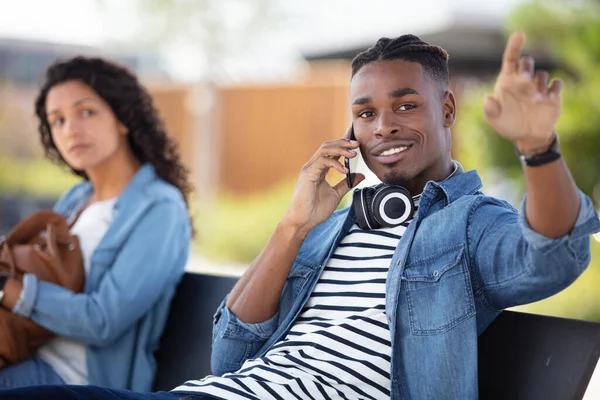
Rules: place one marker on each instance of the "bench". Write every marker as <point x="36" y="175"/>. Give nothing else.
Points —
<point x="521" y="356"/>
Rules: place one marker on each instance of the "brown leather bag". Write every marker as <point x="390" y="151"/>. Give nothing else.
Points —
<point x="41" y="245"/>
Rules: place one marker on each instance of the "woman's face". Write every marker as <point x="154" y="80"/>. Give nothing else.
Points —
<point x="86" y="132"/>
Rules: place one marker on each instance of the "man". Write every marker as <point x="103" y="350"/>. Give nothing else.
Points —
<point x="336" y="307"/>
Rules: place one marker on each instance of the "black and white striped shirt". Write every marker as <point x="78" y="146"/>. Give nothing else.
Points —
<point x="339" y="347"/>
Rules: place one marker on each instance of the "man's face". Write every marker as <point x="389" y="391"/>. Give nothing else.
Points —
<point x="402" y="119"/>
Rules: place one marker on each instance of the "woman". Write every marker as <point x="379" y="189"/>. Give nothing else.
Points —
<point x="131" y="215"/>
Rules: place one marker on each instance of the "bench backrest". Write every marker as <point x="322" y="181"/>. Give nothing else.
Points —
<point x="521" y="356"/>
<point x="185" y="347"/>
<point x="526" y="356"/>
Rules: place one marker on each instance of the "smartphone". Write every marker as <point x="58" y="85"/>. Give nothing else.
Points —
<point x="347" y="161"/>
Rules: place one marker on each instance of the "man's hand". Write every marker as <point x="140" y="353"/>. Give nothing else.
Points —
<point x="314" y="199"/>
<point x="255" y="298"/>
<point x="524" y="108"/>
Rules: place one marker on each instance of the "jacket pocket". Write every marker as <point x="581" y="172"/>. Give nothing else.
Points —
<point x="438" y="291"/>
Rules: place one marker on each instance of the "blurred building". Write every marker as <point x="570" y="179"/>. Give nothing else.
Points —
<point x="260" y="135"/>
<point x="23" y="62"/>
<point x="244" y="138"/>
<point x="475" y="49"/>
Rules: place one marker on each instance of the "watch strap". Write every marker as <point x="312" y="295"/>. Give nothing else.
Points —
<point x="548" y="156"/>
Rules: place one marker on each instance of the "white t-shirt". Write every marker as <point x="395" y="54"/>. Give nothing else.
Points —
<point x="68" y="357"/>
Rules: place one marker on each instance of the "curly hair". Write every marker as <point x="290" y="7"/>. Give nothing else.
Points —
<point x="133" y="107"/>
<point x="433" y="59"/>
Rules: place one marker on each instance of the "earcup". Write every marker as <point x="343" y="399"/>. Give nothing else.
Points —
<point x="392" y="206"/>
<point x="382" y="206"/>
<point x="361" y="206"/>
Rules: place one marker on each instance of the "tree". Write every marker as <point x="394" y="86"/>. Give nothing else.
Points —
<point x="211" y="30"/>
<point x="571" y="33"/>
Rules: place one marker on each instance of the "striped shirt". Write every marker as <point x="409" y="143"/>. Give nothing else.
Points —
<point x="339" y="346"/>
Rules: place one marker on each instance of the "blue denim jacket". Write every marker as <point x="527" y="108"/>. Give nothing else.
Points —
<point x="463" y="259"/>
<point x="134" y="272"/>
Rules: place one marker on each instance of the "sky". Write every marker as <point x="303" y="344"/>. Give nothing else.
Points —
<point x="310" y="26"/>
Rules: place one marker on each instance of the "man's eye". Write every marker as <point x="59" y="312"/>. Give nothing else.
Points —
<point x="87" y="113"/>
<point x="366" y="114"/>
<point x="406" y="107"/>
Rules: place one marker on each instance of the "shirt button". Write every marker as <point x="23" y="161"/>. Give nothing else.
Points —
<point x="436" y="273"/>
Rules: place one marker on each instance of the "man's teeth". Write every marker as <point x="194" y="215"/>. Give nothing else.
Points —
<point x="394" y="151"/>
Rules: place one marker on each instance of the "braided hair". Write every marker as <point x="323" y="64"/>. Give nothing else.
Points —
<point x="433" y="59"/>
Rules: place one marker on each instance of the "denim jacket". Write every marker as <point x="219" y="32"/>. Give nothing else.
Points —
<point x="134" y="272"/>
<point x="464" y="258"/>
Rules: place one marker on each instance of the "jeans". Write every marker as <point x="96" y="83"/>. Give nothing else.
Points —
<point x="73" y="392"/>
<point x="34" y="371"/>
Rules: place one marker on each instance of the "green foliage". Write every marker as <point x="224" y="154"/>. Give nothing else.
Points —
<point x="38" y="177"/>
<point x="572" y="34"/>
<point x="569" y="30"/>
<point x="236" y="228"/>
<point x="476" y="144"/>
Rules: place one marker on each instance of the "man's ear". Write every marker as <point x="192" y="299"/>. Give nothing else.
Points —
<point x="449" y="109"/>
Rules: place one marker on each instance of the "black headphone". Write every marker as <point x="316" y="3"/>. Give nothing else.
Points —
<point x="382" y="206"/>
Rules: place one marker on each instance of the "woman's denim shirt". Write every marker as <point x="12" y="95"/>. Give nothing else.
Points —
<point x="464" y="258"/>
<point x="134" y="272"/>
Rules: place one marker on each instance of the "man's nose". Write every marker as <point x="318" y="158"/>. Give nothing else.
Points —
<point x="386" y="125"/>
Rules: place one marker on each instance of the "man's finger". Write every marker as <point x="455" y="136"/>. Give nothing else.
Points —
<point x="491" y="107"/>
<point x="335" y="153"/>
<point x="512" y="53"/>
<point x="541" y="81"/>
<point x="526" y="66"/>
<point x="348" y="134"/>
<point x="343" y="143"/>
<point x="334" y="149"/>
<point x="325" y="163"/>
<point x="555" y="88"/>
<point x="318" y="169"/>
<point x="342" y="187"/>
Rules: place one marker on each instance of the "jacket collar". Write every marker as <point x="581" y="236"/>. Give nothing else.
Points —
<point x="82" y="192"/>
<point x="461" y="183"/>
<point x="140" y="180"/>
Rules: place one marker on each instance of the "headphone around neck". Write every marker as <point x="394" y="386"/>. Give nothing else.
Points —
<point x="382" y="206"/>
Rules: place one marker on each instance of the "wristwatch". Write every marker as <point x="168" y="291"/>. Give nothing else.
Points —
<point x="546" y="157"/>
<point x="3" y="278"/>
